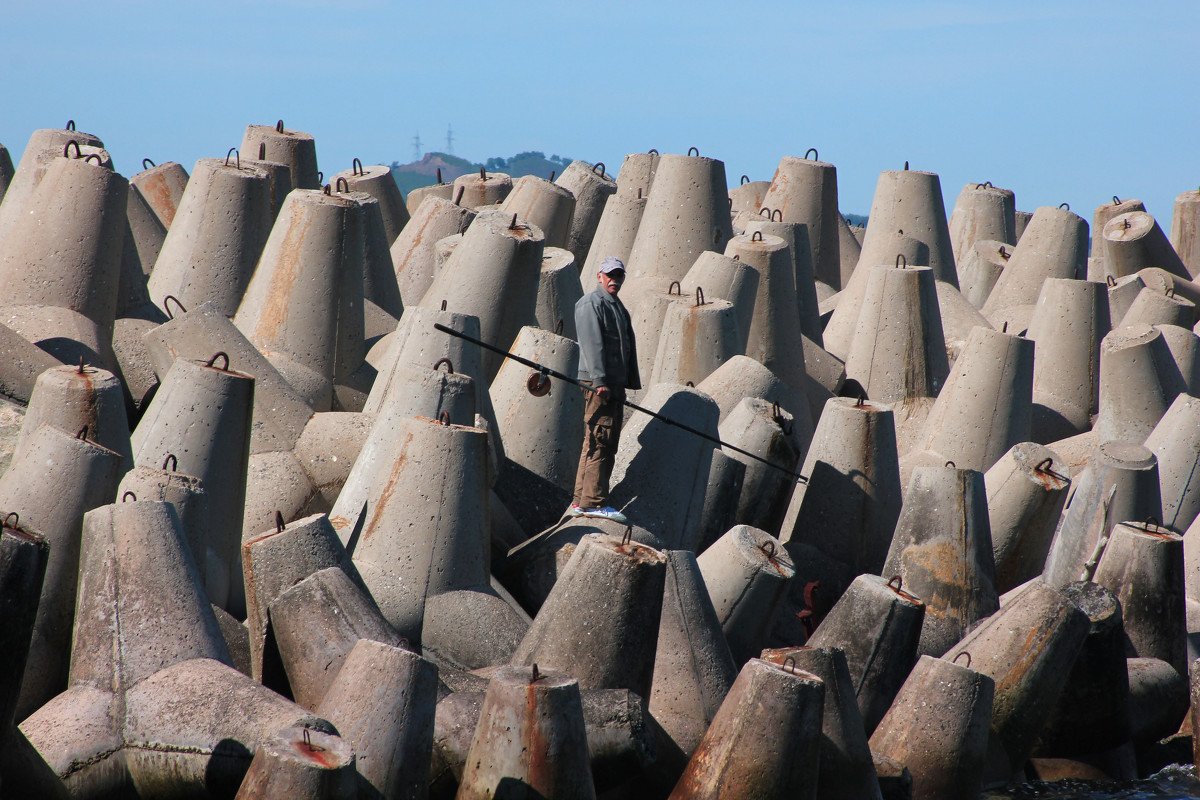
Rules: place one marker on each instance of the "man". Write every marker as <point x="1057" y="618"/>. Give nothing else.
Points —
<point x="608" y="363"/>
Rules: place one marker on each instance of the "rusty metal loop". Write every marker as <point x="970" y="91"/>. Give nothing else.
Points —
<point x="90" y="156"/>
<point x="558" y="327"/>
<point x="443" y="305"/>
<point x="339" y="183"/>
<point x="173" y="461"/>
<point x="697" y="149"/>
<point x="1116" y="200"/>
<point x="789" y="664"/>
<point x="898" y="581"/>
<point x="444" y="418"/>
<point x="512" y="226"/>
<point x="83" y="433"/>
<point x="639" y="197"/>
<point x="167" y="302"/>
<point x="813" y="150"/>
<point x="675" y="289"/>
<point x="80" y="370"/>
<point x="901" y="261"/>
<point x="652" y="152"/>
<point x="777" y="215"/>
<point x="768" y="549"/>
<point x="15" y="517"/>
<point x="1125" y="224"/>
<point x="280" y="525"/>
<point x="737" y="257"/>
<point x="951" y="465"/>
<point x="70" y="125"/>
<point x="862" y="400"/>
<point x="146" y="161"/>
<point x="279" y="126"/>
<point x="1151" y="520"/>
<point x="756" y="236"/>
<point x="482" y="174"/>
<point x="67" y="149"/>
<point x="627" y="536"/>
<point x="213" y="360"/>
<point x="439" y="176"/>
<point x="729" y="201"/>
<point x="233" y="150"/>
<point x="553" y="172"/>
<point x="1067" y="206"/>
<point x="534" y="675"/>
<point x="125" y="497"/>
<point x="745" y="180"/>
<point x="327" y="190"/>
<point x="356" y="168"/>
<point x="1170" y="292"/>
<point x="765" y="211"/>
<point x="458" y="197"/>
<point x="320" y="176"/>
<point x="1045" y="465"/>
<point x="1004" y="253"/>
<point x="690" y="385"/>
<point x="599" y="165"/>
<point x="1110" y="280"/>
<point x="700" y="297"/>
<point x="449" y="365"/>
<point x="1004" y="327"/>
<point x="308" y="745"/>
<point x="985" y="185"/>
<point x="262" y="151"/>
<point x="906" y="166"/>
<point x="963" y="653"/>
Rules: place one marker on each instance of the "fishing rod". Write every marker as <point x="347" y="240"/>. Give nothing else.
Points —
<point x="553" y="373"/>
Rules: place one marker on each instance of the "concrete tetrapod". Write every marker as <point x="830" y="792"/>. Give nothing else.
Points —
<point x="303" y="307"/>
<point x="378" y="182"/>
<point x="591" y="188"/>
<point x="979" y="269"/>
<point x="693" y="665"/>
<point x="280" y="176"/>
<point x="48" y="489"/>
<point x="1185" y="230"/>
<point x="981" y="212"/>
<point x="1134" y="241"/>
<point x="1097" y="270"/>
<point x="1025" y="496"/>
<point x="721" y="497"/>
<point x="201" y="414"/>
<point x="21" y="362"/>
<point x="1120" y="482"/>
<point x="959" y="318"/>
<point x="542" y="434"/>
<point x="301" y="764"/>
<point x="687" y="213"/>
<point x="383" y="703"/>
<point x="846" y="767"/>
<point x="637" y="173"/>
<point x="1152" y="307"/>
<point x="742" y="376"/>
<point x="775" y="333"/>
<point x="1054" y="246"/>
<point x="765" y="740"/>
<point x="439" y="190"/>
<point x="186" y="493"/>
<point x="548" y="206"/>
<point x="317" y="623"/>
<point x="769" y="432"/>
<point x="1028" y="669"/>
<point x="1175" y="442"/>
<point x="727" y="279"/>
<point x="485" y="189"/>
<point x="413" y="250"/>
<point x="380" y="288"/>
<point x="850" y="243"/>
<point x="805" y="191"/>
<point x="909" y="202"/>
<point x="1143" y="566"/>
<point x="531" y="740"/>
<point x="600" y="621"/>
<point x="795" y="234"/>
<point x="1069" y="322"/>
<point x="695" y="340"/>
<point x="1185" y="352"/>
<point x="327" y="451"/>
<point x="851" y="500"/>
<point x="284" y="146"/>
<point x="79" y="398"/>
<point x="162" y="187"/>
<point x="661" y="469"/>
<point x="426" y="528"/>
<point x="1138" y="382"/>
<point x="559" y="289"/>
<point x="280" y="414"/>
<point x="144" y="236"/>
<point x="877" y="625"/>
<point x="746" y="572"/>
<point x="984" y="408"/>
<point x="647" y="316"/>
<point x="493" y="274"/>
<point x="1092" y="714"/>
<point x="273" y="562"/>
<point x="222" y="224"/>
<point x="23" y="558"/>
<point x="43" y="147"/>
<point x="617" y="229"/>
<point x="938" y="729"/>
<point x="942" y="549"/>
<point x="748" y="195"/>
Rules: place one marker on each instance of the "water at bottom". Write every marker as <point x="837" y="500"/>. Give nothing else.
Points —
<point x="1173" y="783"/>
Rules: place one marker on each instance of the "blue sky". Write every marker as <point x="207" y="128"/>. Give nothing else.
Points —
<point x="1060" y="101"/>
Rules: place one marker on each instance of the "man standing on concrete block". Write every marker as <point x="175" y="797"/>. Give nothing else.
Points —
<point x="607" y="362"/>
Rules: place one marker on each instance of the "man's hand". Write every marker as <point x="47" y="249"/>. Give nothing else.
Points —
<point x="603" y="392"/>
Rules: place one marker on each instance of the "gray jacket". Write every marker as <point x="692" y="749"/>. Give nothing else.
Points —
<point x="607" y="351"/>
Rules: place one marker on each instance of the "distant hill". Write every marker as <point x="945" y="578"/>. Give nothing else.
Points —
<point x="424" y="172"/>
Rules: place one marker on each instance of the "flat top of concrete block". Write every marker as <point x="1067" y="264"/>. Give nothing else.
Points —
<point x="627" y="547"/>
<point x="531" y="676"/>
<point x="1129" y="336"/>
<point x="1130" y="225"/>
<point x="278" y="130"/>
<point x="1129" y="455"/>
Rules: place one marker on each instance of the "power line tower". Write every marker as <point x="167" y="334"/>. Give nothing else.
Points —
<point x="450" y="140"/>
<point x="416" y="140"/>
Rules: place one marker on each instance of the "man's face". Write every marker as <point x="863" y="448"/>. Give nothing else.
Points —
<point x="611" y="281"/>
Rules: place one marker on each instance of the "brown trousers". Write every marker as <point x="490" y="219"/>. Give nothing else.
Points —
<point x="603" y="422"/>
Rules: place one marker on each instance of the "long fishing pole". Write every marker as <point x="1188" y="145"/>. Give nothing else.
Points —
<point x="553" y="373"/>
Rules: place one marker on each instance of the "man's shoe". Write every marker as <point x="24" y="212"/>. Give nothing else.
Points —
<point x="575" y="510"/>
<point x="608" y="512"/>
